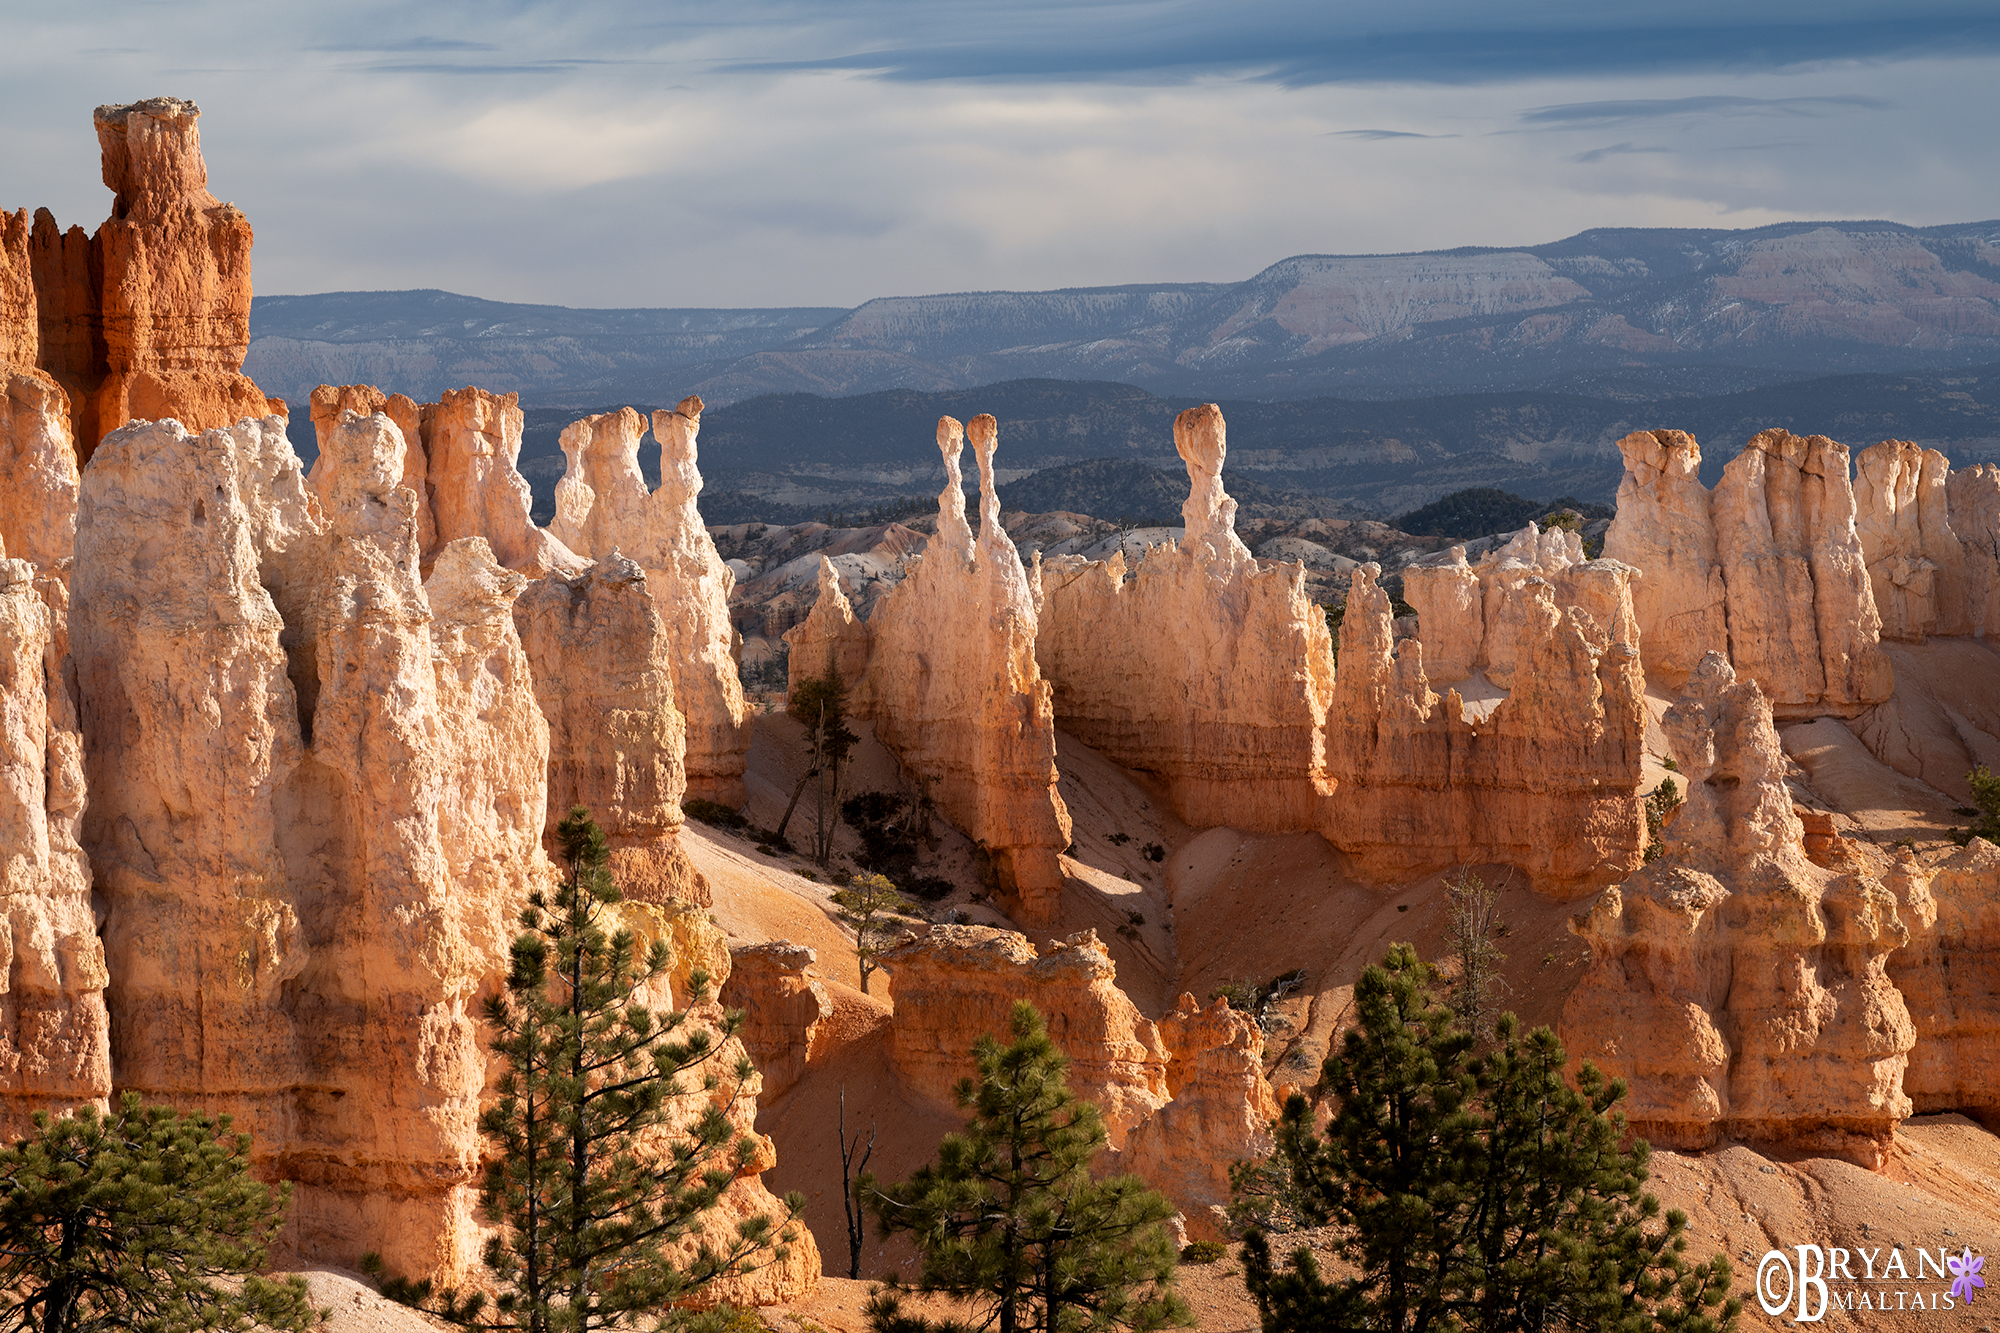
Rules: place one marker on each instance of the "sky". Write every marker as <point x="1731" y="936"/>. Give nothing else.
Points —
<point x="786" y="152"/>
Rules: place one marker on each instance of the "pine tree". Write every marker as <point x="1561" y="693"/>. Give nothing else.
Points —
<point x="1479" y="1194"/>
<point x="593" y="1185"/>
<point x="124" y="1221"/>
<point x="879" y="915"/>
<point x="1010" y="1219"/>
<point x="821" y="704"/>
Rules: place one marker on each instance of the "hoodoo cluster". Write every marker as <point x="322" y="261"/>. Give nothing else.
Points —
<point x="281" y="752"/>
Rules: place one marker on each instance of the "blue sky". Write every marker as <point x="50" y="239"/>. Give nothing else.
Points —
<point x="778" y="152"/>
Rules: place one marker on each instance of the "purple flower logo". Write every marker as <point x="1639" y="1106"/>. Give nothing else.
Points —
<point x="1965" y="1274"/>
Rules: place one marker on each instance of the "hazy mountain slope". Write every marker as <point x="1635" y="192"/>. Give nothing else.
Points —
<point x="424" y="342"/>
<point x="799" y="455"/>
<point x="1612" y="312"/>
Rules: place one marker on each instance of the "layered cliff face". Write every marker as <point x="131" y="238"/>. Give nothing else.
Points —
<point x="1484" y="617"/>
<point x="1547" y="781"/>
<point x="953" y="688"/>
<point x="38" y="471"/>
<point x="55" y="1047"/>
<point x="1802" y="617"/>
<point x="1220" y="1113"/>
<point x="1197" y="667"/>
<point x="1946" y="975"/>
<point x="329" y="401"/>
<point x="1664" y="527"/>
<point x="954" y="983"/>
<point x="1736" y="985"/>
<point x="1767" y="569"/>
<point x="1973" y="494"/>
<point x="602" y="505"/>
<point x="149" y="318"/>
<point x="604" y="680"/>
<point x="305" y="893"/>
<point x="471" y="442"/>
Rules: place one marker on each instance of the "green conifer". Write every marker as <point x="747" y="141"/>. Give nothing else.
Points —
<point x="125" y="1221"/>
<point x="1010" y="1219"/>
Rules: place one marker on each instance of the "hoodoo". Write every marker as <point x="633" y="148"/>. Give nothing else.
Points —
<point x="1197" y="666"/>
<point x="602" y="506"/>
<point x="952" y="686"/>
<point x="150" y="317"/>
<point x="1738" y="986"/>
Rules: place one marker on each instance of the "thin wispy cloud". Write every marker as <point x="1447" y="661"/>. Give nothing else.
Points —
<point x="1615" y="150"/>
<point x="1591" y="115"/>
<point x="1385" y="134"/>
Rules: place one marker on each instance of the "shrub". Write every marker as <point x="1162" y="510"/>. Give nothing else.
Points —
<point x="713" y="813"/>
<point x="1203" y="1252"/>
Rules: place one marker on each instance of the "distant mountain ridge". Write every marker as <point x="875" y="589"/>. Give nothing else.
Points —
<point x="1107" y="449"/>
<point x="1613" y="312"/>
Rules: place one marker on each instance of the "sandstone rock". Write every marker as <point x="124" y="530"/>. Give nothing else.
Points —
<point x="1451" y="615"/>
<point x="54" y="1035"/>
<point x="20" y="323"/>
<point x="1973" y="496"/>
<point x="956" y="983"/>
<point x="1916" y="564"/>
<point x="38" y="474"/>
<point x="305" y="892"/>
<point x="1946" y="977"/>
<point x="471" y="441"/>
<point x="1664" y="527"/>
<point x="954" y="690"/>
<point x="782" y="1008"/>
<point x="601" y="506"/>
<point x="1221" y="1112"/>
<point x="329" y="401"/>
<point x="1738" y="987"/>
<point x="150" y="318"/>
<point x="600" y="660"/>
<point x="831" y="633"/>
<point x="191" y="734"/>
<point x="1802" y="616"/>
<point x="1198" y="667"/>
<point x="1547" y="781"/>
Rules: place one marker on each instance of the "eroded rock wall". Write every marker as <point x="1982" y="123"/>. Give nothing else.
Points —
<point x="602" y="505"/>
<point x="304" y="896"/>
<point x="1547" y="781"/>
<point x="1768" y="569"/>
<point x="604" y="681"/>
<point x="783" y="1006"/>
<point x="1664" y="528"/>
<point x="149" y="318"/>
<point x="1947" y="976"/>
<point x="1220" y="1112"/>
<point x="1802" y="617"/>
<point x="330" y="400"/>
<point x="831" y="634"/>
<point x="55" y="1050"/>
<point x="471" y="442"/>
<point x="1973" y="494"/>
<point x="955" y="983"/>
<point x="1197" y="666"/>
<point x="953" y="688"/>
<point x="1737" y="986"/>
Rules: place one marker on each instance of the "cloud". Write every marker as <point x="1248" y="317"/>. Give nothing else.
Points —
<point x="1613" y="150"/>
<point x="1385" y="134"/>
<point x="1299" y="45"/>
<point x="1589" y="115"/>
<point x="619" y="153"/>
